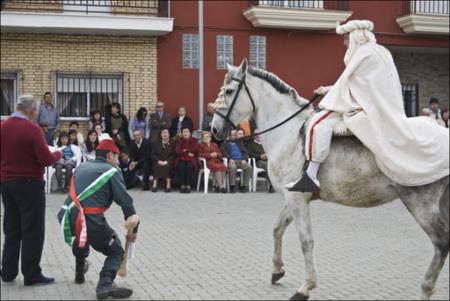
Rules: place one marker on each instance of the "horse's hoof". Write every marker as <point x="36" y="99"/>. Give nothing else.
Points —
<point x="276" y="277"/>
<point x="299" y="296"/>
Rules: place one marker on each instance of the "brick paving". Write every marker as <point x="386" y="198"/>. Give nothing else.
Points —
<point x="219" y="246"/>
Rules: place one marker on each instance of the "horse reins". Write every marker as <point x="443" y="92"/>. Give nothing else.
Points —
<point x="242" y="83"/>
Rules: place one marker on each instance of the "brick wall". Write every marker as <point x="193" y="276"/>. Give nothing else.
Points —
<point x="37" y="58"/>
<point x="430" y="71"/>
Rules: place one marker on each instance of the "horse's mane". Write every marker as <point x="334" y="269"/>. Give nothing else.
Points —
<point x="278" y="84"/>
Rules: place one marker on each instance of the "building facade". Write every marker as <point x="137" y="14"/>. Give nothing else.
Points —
<point x="88" y="54"/>
<point x="296" y="40"/>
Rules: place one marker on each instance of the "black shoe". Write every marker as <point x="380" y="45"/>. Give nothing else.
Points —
<point x="80" y="270"/>
<point x="188" y="189"/>
<point x="271" y="190"/>
<point x="146" y="187"/>
<point x="232" y="189"/>
<point x="183" y="189"/>
<point x="305" y="184"/>
<point x="217" y="189"/>
<point x="223" y="190"/>
<point x="7" y="279"/>
<point x="41" y="280"/>
<point x="168" y="189"/>
<point x="244" y="189"/>
<point x="154" y="189"/>
<point x="107" y="288"/>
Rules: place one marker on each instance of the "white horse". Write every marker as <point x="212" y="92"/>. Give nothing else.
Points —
<point x="349" y="176"/>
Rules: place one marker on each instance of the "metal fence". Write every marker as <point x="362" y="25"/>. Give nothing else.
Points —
<point x="308" y="4"/>
<point x="133" y="7"/>
<point x="426" y="7"/>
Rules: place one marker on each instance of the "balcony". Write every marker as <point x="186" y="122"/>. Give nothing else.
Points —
<point x="92" y="17"/>
<point x="425" y="17"/>
<point x="303" y="15"/>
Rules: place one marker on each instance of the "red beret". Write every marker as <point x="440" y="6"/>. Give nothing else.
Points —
<point x="108" y="145"/>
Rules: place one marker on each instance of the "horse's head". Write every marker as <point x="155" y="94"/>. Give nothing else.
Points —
<point x="235" y="103"/>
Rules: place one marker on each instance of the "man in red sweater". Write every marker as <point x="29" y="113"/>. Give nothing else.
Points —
<point x="24" y="155"/>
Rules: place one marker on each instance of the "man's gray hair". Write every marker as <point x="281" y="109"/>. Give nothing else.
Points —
<point x="27" y="103"/>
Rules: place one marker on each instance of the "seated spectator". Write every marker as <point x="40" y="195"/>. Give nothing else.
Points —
<point x="163" y="156"/>
<point x="96" y="119"/>
<point x="444" y="118"/>
<point x="180" y="122"/>
<point x="140" y="122"/>
<point x="73" y="137"/>
<point x="116" y="125"/>
<point x="207" y="119"/>
<point x="237" y="156"/>
<point x="434" y="107"/>
<point x="71" y="154"/>
<point x="186" y="150"/>
<point x="211" y="152"/>
<point x="139" y="156"/>
<point x="256" y="150"/>
<point x="89" y="146"/>
<point x="242" y="137"/>
<point x="98" y="130"/>
<point x="129" y="175"/>
<point x="74" y="125"/>
<point x="159" y="120"/>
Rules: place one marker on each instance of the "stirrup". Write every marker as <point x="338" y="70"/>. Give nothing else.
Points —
<point x="306" y="184"/>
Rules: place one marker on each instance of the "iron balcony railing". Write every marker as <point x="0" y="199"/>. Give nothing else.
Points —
<point x="114" y="7"/>
<point x="426" y="7"/>
<point x="306" y="4"/>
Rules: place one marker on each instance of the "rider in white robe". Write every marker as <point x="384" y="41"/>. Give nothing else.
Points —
<point x="368" y="98"/>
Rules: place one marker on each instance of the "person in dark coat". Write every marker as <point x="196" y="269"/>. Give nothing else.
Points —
<point x="95" y="232"/>
<point x="159" y="120"/>
<point x="186" y="163"/>
<point x="180" y="122"/>
<point x="116" y="125"/>
<point x="140" y="156"/>
<point x="256" y="150"/>
<point x="163" y="157"/>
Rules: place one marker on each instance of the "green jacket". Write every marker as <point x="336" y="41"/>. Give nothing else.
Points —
<point x="113" y="190"/>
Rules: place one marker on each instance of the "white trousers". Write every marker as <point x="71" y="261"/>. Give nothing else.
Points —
<point x="319" y="131"/>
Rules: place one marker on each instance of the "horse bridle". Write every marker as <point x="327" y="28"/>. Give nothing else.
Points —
<point x="243" y="83"/>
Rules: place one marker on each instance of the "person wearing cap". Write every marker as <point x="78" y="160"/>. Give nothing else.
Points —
<point x="367" y="97"/>
<point x="94" y="186"/>
<point x="24" y="156"/>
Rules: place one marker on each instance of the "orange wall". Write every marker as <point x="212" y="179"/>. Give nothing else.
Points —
<point x="303" y="59"/>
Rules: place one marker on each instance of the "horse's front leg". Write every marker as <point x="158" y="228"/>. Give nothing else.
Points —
<point x="283" y="221"/>
<point x="302" y="219"/>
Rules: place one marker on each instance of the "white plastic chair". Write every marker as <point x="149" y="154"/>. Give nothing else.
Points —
<point x="204" y="172"/>
<point x="256" y="177"/>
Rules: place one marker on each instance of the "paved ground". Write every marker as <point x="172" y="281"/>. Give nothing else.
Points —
<point x="220" y="247"/>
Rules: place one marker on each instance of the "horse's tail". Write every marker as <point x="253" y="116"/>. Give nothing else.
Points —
<point x="444" y="208"/>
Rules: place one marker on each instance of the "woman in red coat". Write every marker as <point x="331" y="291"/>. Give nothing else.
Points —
<point x="186" y="150"/>
<point x="211" y="152"/>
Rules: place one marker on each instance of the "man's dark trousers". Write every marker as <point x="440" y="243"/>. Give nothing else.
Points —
<point x="23" y="223"/>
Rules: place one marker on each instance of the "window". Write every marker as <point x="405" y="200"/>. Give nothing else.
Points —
<point x="78" y="95"/>
<point x="411" y="99"/>
<point x="224" y="51"/>
<point x="9" y="93"/>
<point x="190" y="51"/>
<point x="293" y="3"/>
<point x="258" y="51"/>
